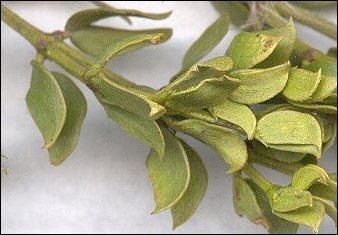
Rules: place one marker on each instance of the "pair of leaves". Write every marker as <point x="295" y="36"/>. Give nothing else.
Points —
<point x="328" y="79"/>
<point x="290" y="130"/>
<point x="179" y="179"/>
<point x="251" y="201"/>
<point x="208" y="93"/>
<point x="257" y="85"/>
<point x="238" y="114"/>
<point x="305" y="209"/>
<point x="202" y="86"/>
<point x="58" y="108"/>
<point x="213" y="68"/>
<point x="317" y="83"/>
<point x="226" y="142"/>
<point x="94" y="40"/>
<point x="248" y="49"/>
<point x="122" y="46"/>
<point x="314" y="84"/>
<point x="112" y="93"/>
<point x="129" y="108"/>
<point x="309" y="216"/>
<point x="98" y="38"/>
<point x="263" y="49"/>
<point x="280" y="211"/>
<point x="275" y="47"/>
<point x="289" y="199"/>
<point x="296" y="204"/>
<point x="283" y="49"/>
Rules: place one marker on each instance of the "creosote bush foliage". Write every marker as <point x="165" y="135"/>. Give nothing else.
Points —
<point x="266" y="68"/>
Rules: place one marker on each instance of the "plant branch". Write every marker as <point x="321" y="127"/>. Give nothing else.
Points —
<point x="307" y="18"/>
<point x="53" y="48"/>
<point x="32" y="34"/>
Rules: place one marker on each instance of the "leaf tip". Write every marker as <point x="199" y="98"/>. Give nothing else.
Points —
<point x="156" y="38"/>
<point x="156" y="211"/>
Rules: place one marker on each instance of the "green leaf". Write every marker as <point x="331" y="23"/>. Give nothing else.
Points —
<point x="329" y="138"/>
<point x="294" y="108"/>
<point x="76" y="112"/>
<point x="108" y="91"/>
<point x="327" y="66"/>
<point x="330" y="208"/>
<point x="329" y="130"/>
<point x="289" y="199"/>
<point x="309" y="216"/>
<point x="322" y="108"/>
<point x="46" y="104"/>
<point x="215" y="67"/>
<point x="123" y="45"/>
<point x="238" y="114"/>
<point x="94" y="40"/>
<point x="328" y="191"/>
<point x="284" y="48"/>
<point x="83" y="19"/>
<point x="112" y="93"/>
<point x="279" y="155"/>
<point x="272" y="108"/>
<point x="248" y="49"/>
<point x="188" y="204"/>
<point x="332" y="52"/>
<point x="226" y="142"/>
<point x="291" y="131"/>
<point x="238" y="12"/>
<point x="245" y="202"/>
<point x="301" y="84"/>
<point x="308" y="175"/>
<point x="204" y="115"/>
<point x="206" y="42"/>
<point x="142" y="128"/>
<point x="104" y="5"/>
<point x="325" y="88"/>
<point x="276" y="224"/>
<point x="169" y="175"/>
<point x="216" y="64"/>
<point x="209" y="92"/>
<point x="328" y="79"/>
<point x="257" y="85"/>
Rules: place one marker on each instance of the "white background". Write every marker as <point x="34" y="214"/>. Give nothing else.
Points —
<point x="103" y="187"/>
